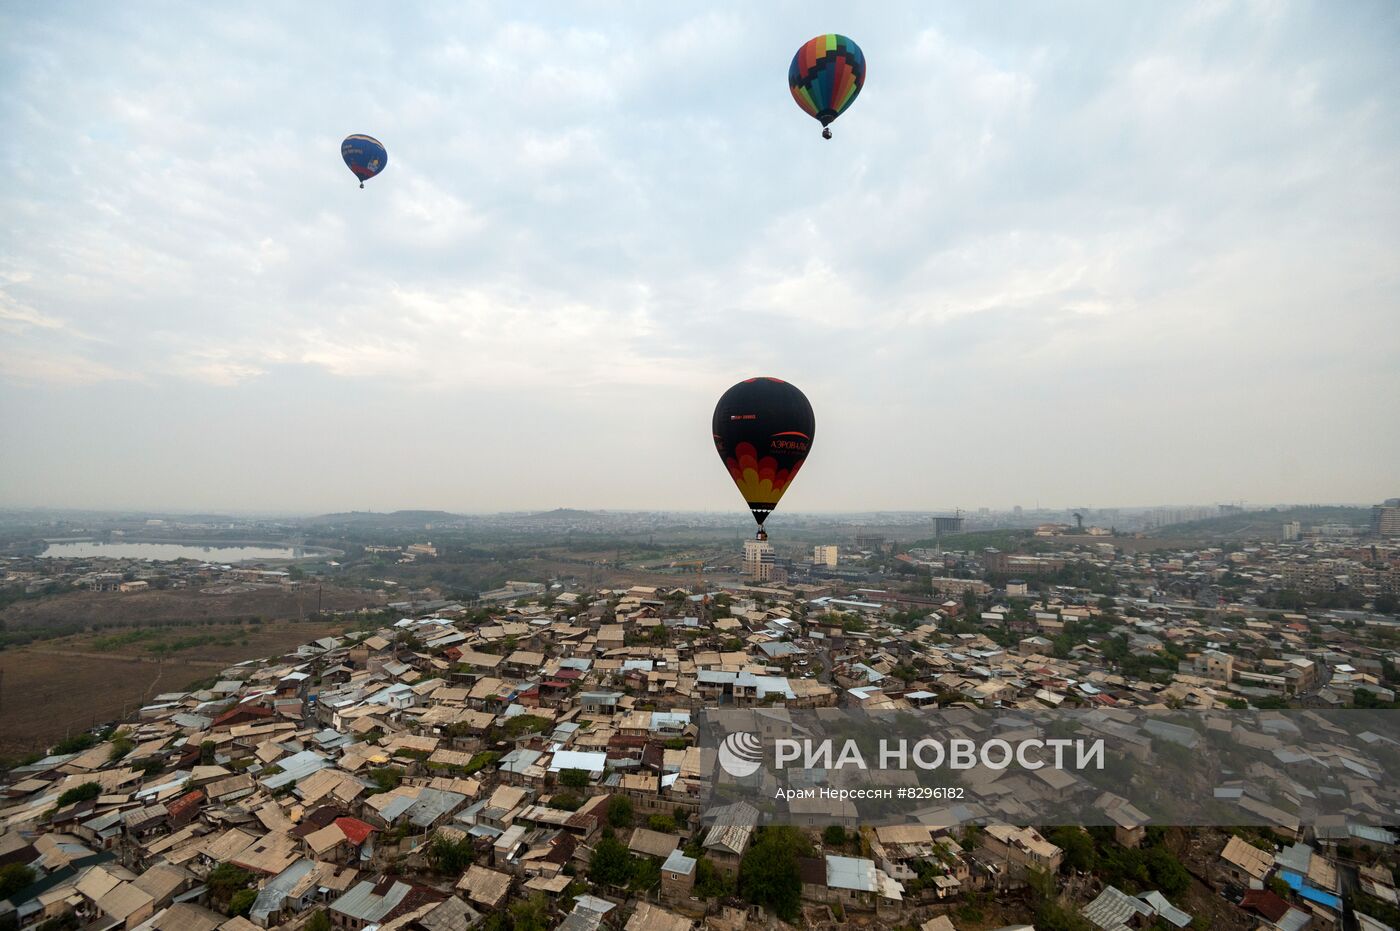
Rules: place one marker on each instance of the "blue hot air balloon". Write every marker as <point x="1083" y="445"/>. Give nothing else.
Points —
<point x="364" y="155"/>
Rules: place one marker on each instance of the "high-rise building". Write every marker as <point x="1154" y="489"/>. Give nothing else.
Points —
<point x="758" y="560"/>
<point x="1385" y="518"/>
<point x="826" y="555"/>
<point x="1292" y="530"/>
<point x="946" y="525"/>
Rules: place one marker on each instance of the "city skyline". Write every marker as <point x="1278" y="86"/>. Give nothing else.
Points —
<point x="1111" y="254"/>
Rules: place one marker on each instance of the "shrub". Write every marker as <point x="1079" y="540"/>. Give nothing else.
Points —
<point x="573" y="779"/>
<point x="82" y="793"/>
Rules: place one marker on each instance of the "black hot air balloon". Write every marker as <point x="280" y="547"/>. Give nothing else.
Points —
<point x="763" y="430"/>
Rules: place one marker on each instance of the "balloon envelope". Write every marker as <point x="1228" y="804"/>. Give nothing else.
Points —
<point x="826" y="75"/>
<point x="364" y="155"/>
<point x="763" y="430"/>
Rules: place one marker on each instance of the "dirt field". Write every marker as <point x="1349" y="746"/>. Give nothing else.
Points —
<point x="56" y="686"/>
<point x="79" y="611"/>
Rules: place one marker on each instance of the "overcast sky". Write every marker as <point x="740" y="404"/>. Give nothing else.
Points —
<point x="1081" y="254"/>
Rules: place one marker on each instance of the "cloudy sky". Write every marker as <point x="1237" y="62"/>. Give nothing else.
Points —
<point x="1081" y="254"/>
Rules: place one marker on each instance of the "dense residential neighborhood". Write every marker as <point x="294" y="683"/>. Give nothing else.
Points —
<point x="528" y="758"/>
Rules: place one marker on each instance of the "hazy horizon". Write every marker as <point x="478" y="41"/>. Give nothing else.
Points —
<point x="968" y="512"/>
<point x="1094" y="254"/>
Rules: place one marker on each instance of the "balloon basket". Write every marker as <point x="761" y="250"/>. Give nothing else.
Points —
<point x="826" y="132"/>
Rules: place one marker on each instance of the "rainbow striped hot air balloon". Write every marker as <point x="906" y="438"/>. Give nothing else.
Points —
<point x="826" y="75"/>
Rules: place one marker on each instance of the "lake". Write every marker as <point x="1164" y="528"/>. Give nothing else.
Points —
<point x="85" y="549"/>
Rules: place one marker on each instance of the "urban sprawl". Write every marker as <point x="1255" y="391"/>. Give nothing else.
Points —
<point x="527" y="758"/>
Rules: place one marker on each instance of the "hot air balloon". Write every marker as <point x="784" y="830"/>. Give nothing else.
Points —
<point x="364" y="155"/>
<point x="825" y="76"/>
<point x="763" y="430"/>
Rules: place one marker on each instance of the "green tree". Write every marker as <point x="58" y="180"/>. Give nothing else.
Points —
<point x="385" y="778"/>
<point x="319" y="921"/>
<point x="710" y="883"/>
<point x="1078" y="847"/>
<point x="834" y="835"/>
<point x="451" y="856"/>
<point x="226" y="879"/>
<point x="768" y="873"/>
<point x="1167" y="873"/>
<point x="530" y="914"/>
<point x="1365" y="698"/>
<point x="573" y="779"/>
<point x="523" y="724"/>
<point x="80" y="793"/>
<point x="620" y="811"/>
<point x="207" y="749"/>
<point x="13" y="878"/>
<point x="646" y="874"/>
<point x="242" y="902"/>
<point x="663" y="823"/>
<point x="75" y="744"/>
<point x="611" y="864"/>
<point x="121" y="746"/>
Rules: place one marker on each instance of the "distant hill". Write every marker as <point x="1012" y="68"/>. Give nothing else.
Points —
<point x="390" y="519"/>
<point x="1266" y="524"/>
<point x="976" y="540"/>
<point x="564" y="514"/>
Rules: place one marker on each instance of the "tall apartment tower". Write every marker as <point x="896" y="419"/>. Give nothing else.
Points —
<point x="826" y="555"/>
<point x="758" y="560"/>
<point x="1385" y="518"/>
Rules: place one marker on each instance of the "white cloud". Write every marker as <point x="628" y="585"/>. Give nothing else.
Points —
<point x="626" y="204"/>
<point x="27" y="367"/>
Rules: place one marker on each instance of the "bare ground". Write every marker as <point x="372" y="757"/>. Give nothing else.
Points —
<point x="78" y="611"/>
<point x="56" y="687"/>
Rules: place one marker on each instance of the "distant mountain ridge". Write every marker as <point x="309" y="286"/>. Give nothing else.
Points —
<point x="1267" y="519"/>
<point x="389" y="518"/>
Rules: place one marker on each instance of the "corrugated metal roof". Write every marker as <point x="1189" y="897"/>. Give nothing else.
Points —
<point x="678" y="862"/>
<point x="1113" y="909"/>
<point x="1165" y="909"/>
<point x="578" y="759"/>
<point x="432" y="804"/>
<point x="362" y="903"/>
<point x="851" y="873"/>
